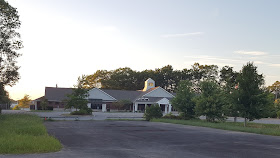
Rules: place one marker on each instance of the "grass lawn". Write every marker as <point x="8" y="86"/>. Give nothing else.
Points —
<point x="267" y="129"/>
<point x="21" y="134"/>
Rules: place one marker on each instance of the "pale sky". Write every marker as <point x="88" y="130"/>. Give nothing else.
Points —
<point x="64" y="39"/>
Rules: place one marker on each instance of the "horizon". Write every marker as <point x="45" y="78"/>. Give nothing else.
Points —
<point x="66" y="39"/>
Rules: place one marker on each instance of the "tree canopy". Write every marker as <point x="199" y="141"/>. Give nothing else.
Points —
<point x="24" y="102"/>
<point x="275" y="88"/>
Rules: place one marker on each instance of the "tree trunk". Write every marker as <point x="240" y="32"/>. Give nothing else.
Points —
<point x="235" y="119"/>
<point x="245" y="122"/>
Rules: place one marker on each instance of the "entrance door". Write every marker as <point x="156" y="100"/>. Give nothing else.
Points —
<point x="162" y="107"/>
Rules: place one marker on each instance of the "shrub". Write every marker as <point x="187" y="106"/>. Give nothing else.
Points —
<point x="154" y="111"/>
<point x="278" y="114"/>
<point x="182" y="116"/>
<point x="170" y="116"/>
<point x="86" y="111"/>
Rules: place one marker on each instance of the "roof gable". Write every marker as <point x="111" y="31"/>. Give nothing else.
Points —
<point x="97" y="93"/>
<point x="163" y="101"/>
<point x="158" y="92"/>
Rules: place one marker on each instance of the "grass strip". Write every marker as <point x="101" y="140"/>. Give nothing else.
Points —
<point x="22" y="134"/>
<point x="258" y="128"/>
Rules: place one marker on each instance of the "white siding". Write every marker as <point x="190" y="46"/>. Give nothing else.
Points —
<point x="159" y="92"/>
<point x="163" y="101"/>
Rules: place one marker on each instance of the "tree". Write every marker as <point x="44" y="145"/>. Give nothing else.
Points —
<point x="201" y="73"/>
<point x="9" y="44"/>
<point x="275" y="88"/>
<point x="122" y="78"/>
<point x="211" y="101"/>
<point x="154" y="111"/>
<point x="24" y="102"/>
<point x="251" y="99"/>
<point x="44" y="103"/>
<point x="229" y="83"/>
<point x="4" y="96"/>
<point x="96" y="79"/>
<point x="183" y="101"/>
<point x="78" y="98"/>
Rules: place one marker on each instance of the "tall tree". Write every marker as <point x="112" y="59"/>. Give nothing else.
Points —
<point x="183" y="101"/>
<point x="201" y="73"/>
<point x="9" y="44"/>
<point x="250" y="97"/>
<point x="228" y="78"/>
<point x="229" y="83"/>
<point x="96" y="79"/>
<point x="275" y="88"/>
<point x="122" y="78"/>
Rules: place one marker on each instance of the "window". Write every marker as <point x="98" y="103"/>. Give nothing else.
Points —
<point x="151" y="84"/>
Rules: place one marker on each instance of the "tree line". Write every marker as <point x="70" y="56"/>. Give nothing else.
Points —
<point x="165" y="77"/>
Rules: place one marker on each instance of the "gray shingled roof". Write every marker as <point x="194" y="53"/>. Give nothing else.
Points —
<point x="57" y="94"/>
<point x="123" y="94"/>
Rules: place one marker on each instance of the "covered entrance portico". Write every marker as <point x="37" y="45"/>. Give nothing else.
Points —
<point x="140" y="106"/>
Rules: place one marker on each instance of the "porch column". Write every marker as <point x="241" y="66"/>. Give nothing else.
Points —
<point x="145" y="107"/>
<point x="36" y="105"/>
<point x="133" y="107"/>
<point x="165" y="110"/>
<point x="170" y="106"/>
<point x="136" y="107"/>
<point x="104" y="108"/>
<point x="89" y="105"/>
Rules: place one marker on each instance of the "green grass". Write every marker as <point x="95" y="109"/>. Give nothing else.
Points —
<point x="266" y="129"/>
<point x="21" y="134"/>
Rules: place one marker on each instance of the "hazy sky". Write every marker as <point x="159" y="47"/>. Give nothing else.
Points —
<point x="64" y="39"/>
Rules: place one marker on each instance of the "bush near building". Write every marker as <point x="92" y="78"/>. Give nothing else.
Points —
<point x="154" y="111"/>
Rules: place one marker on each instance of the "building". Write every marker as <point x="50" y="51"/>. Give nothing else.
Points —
<point x="103" y="99"/>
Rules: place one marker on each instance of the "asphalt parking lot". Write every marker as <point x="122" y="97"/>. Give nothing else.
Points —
<point x="130" y="139"/>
